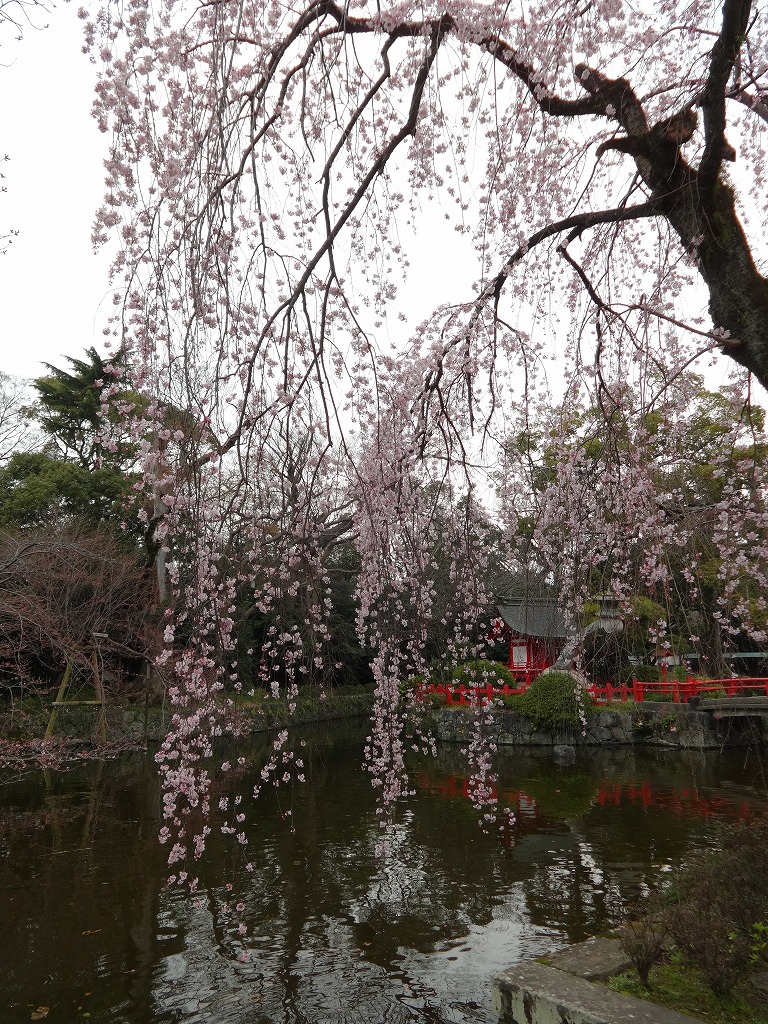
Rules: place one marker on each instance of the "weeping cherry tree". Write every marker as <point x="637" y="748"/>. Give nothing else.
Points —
<point x="272" y="173"/>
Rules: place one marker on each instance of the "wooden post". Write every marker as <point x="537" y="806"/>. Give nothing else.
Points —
<point x="59" y="698"/>
<point x="98" y="687"/>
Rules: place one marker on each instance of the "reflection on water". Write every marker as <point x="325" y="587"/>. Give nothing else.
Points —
<point x="90" y="931"/>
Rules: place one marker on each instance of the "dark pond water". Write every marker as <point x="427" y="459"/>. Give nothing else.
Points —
<point x="90" y="932"/>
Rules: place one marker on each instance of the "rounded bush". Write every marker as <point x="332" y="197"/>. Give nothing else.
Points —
<point x="482" y="673"/>
<point x="552" y="701"/>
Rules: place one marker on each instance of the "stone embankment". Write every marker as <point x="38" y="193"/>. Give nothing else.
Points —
<point x="137" y="724"/>
<point x="652" y="723"/>
<point x="560" y="989"/>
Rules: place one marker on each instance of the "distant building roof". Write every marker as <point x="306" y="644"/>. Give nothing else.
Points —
<point x="534" y="616"/>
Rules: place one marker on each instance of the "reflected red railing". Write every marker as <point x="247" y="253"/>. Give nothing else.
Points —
<point x="683" y="800"/>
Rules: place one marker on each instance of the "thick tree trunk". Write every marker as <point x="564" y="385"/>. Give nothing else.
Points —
<point x="709" y="228"/>
<point x="698" y="202"/>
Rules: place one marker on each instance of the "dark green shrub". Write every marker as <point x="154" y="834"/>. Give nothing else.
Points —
<point x="433" y="699"/>
<point x="482" y="673"/>
<point x="647" y="673"/>
<point x="718" y="905"/>
<point x="408" y="686"/>
<point x="551" y="701"/>
<point x="717" y="694"/>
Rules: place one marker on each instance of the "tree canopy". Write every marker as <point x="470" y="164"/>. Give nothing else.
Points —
<point x="666" y="509"/>
<point x="37" y="490"/>
<point x="18" y="430"/>
<point x="70" y="405"/>
<point x="271" y="167"/>
<point x="54" y="468"/>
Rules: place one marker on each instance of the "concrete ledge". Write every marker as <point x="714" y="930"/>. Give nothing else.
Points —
<point x="596" y="959"/>
<point x="532" y="993"/>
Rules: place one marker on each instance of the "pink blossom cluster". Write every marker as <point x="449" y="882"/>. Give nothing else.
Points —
<point x="268" y="171"/>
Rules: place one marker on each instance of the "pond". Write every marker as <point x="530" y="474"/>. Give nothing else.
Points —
<point x="91" y="932"/>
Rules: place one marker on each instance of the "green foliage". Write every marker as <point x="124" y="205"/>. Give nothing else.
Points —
<point x="759" y="936"/>
<point x="716" y="909"/>
<point x="646" y="673"/>
<point x="482" y="673"/>
<point x="718" y="693"/>
<point x="37" y="490"/>
<point x="551" y="701"/>
<point x="71" y="405"/>
<point x="680" y="987"/>
<point x="69" y="478"/>
<point x="646" y="610"/>
<point x="432" y="699"/>
<point x="263" y="711"/>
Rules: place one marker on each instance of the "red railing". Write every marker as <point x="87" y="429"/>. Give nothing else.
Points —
<point x="465" y="695"/>
<point x="678" y="691"/>
<point x="682" y="691"/>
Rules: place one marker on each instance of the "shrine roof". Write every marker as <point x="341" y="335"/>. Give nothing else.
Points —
<point x="536" y="617"/>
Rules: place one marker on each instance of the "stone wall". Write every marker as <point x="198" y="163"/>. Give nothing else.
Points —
<point x="136" y="724"/>
<point x="651" y="723"/>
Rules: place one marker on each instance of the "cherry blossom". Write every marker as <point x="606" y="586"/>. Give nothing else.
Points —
<point x="268" y="171"/>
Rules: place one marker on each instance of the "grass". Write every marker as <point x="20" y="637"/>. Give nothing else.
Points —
<point x="683" y="988"/>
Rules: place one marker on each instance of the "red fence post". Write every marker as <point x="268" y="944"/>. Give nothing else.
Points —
<point x="637" y="690"/>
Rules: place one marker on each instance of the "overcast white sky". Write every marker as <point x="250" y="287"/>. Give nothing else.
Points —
<point x="54" y="292"/>
<point x="51" y="284"/>
<point x="52" y="287"/>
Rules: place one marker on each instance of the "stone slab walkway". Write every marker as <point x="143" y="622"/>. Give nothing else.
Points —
<point x="560" y="992"/>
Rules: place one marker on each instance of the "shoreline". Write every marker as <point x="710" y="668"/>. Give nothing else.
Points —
<point x="652" y="723"/>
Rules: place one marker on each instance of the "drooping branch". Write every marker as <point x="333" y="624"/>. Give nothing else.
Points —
<point x="752" y="102"/>
<point x="270" y="158"/>
<point x="576" y="225"/>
